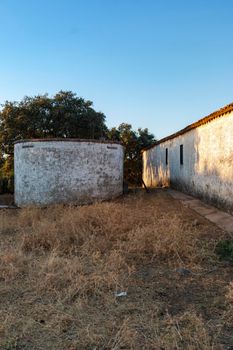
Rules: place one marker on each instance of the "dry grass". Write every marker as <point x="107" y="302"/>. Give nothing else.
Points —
<point x="229" y="294"/>
<point x="61" y="267"/>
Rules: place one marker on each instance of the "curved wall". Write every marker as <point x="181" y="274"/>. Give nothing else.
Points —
<point x="67" y="171"/>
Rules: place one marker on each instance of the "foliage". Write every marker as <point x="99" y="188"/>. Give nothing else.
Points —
<point x="6" y="175"/>
<point x="224" y="249"/>
<point x="65" y="115"/>
<point x="6" y="184"/>
<point x="133" y="141"/>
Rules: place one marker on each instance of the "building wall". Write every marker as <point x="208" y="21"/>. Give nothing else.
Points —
<point x="51" y="172"/>
<point x="207" y="171"/>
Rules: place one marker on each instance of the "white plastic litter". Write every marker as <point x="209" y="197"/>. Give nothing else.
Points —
<point x="120" y="294"/>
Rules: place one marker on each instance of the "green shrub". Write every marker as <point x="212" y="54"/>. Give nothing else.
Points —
<point x="224" y="249"/>
<point x="6" y="185"/>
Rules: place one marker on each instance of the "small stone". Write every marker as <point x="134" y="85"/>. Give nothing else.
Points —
<point x="195" y="222"/>
<point x="184" y="272"/>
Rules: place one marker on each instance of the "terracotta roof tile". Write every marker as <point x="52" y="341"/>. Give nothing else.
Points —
<point x="220" y="112"/>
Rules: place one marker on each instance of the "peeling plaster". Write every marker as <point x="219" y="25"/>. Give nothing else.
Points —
<point x="207" y="171"/>
<point x="52" y="172"/>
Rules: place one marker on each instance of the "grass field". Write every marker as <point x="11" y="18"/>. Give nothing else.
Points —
<point x="61" y="267"/>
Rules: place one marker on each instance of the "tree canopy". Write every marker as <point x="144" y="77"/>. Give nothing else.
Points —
<point x="133" y="141"/>
<point x="65" y="115"/>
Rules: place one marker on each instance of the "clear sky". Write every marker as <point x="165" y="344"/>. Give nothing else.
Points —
<point x="160" y="64"/>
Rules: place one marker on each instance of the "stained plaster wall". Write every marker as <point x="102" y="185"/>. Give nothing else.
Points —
<point x="67" y="172"/>
<point x="207" y="169"/>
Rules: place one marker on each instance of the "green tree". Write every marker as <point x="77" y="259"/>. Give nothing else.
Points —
<point x="64" y="115"/>
<point x="134" y="142"/>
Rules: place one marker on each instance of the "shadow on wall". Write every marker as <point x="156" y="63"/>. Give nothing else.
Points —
<point x="207" y="169"/>
<point x="160" y="179"/>
<point x="155" y="173"/>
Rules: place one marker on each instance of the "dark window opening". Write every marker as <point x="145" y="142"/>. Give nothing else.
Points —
<point x="166" y="156"/>
<point x="181" y="155"/>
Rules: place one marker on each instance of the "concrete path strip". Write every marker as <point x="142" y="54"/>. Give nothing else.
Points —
<point x="218" y="217"/>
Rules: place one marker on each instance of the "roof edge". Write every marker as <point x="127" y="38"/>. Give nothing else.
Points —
<point x="220" y="112"/>
<point x="60" y="139"/>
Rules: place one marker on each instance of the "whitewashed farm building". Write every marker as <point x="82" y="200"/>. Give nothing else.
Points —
<point x="197" y="159"/>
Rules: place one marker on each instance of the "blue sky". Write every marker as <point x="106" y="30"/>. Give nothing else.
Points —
<point x="152" y="63"/>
